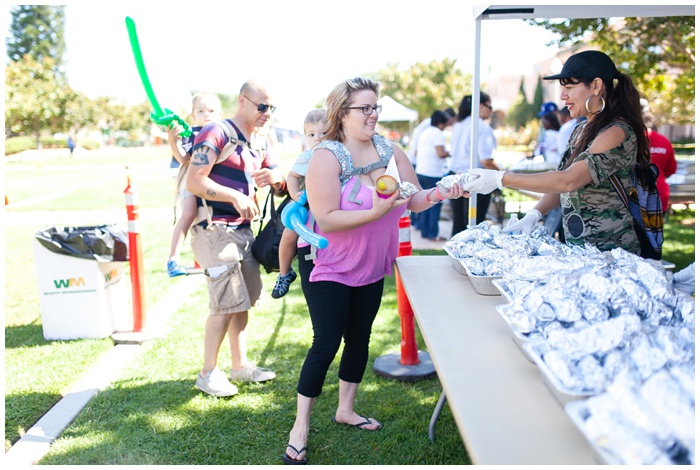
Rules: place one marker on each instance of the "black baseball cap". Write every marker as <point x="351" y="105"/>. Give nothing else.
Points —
<point x="587" y="64"/>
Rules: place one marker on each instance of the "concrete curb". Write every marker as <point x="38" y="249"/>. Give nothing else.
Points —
<point x="38" y="439"/>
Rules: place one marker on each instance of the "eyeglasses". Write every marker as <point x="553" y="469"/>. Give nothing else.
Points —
<point x="487" y="106"/>
<point x="367" y="109"/>
<point x="262" y="107"/>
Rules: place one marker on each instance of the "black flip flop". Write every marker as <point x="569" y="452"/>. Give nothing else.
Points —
<point x="290" y="461"/>
<point x="366" y="422"/>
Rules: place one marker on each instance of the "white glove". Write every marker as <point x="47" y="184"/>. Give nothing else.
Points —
<point x="684" y="280"/>
<point x="526" y="224"/>
<point x="487" y="182"/>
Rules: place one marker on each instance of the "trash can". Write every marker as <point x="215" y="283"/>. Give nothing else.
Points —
<point x="79" y="276"/>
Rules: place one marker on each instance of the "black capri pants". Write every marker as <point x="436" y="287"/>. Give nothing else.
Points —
<point x="337" y="312"/>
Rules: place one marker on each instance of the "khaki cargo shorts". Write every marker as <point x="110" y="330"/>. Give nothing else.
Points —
<point x="233" y="275"/>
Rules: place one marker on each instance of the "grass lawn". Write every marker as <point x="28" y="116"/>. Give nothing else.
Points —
<point x="152" y="414"/>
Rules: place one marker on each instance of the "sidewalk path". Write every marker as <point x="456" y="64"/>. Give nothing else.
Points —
<point x="37" y="441"/>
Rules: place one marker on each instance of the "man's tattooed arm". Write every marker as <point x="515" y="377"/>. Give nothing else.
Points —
<point x="199" y="160"/>
<point x="200" y="157"/>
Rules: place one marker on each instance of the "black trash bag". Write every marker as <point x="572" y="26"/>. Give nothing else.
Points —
<point x="103" y="243"/>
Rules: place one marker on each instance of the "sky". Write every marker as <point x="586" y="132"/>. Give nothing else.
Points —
<point x="299" y="49"/>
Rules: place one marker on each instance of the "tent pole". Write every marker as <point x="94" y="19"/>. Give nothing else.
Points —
<point x="476" y="90"/>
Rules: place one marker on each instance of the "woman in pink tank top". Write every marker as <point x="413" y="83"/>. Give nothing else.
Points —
<point x="343" y="285"/>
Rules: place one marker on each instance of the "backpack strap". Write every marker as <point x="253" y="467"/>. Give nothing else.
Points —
<point x="617" y="184"/>
<point x="235" y="140"/>
<point x="347" y="170"/>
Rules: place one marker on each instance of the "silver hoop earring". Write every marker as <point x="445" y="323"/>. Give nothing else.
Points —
<point x="600" y="110"/>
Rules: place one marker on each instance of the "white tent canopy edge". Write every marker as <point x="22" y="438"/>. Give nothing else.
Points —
<point x="495" y="12"/>
<point x="392" y="110"/>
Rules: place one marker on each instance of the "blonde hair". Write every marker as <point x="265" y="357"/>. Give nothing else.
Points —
<point x="339" y="99"/>
<point x="315" y="116"/>
<point x="202" y="95"/>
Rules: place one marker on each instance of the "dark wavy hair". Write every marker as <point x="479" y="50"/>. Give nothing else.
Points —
<point x="552" y="120"/>
<point x="465" y="107"/>
<point x="621" y="102"/>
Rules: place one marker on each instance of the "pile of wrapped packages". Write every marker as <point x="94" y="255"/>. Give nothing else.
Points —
<point x="612" y="338"/>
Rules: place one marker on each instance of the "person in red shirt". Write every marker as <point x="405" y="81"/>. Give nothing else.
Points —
<point x="663" y="156"/>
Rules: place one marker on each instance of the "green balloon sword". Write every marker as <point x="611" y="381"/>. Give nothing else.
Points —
<point x="161" y="116"/>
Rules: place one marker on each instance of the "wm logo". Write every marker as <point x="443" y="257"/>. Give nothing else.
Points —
<point x="66" y="283"/>
<point x="111" y="275"/>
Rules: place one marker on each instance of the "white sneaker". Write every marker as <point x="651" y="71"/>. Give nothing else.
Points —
<point x="216" y="384"/>
<point x="251" y="373"/>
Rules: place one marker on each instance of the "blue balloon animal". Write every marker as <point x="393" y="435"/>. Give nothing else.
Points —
<point x="294" y="217"/>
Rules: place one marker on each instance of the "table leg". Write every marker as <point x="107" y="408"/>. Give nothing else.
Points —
<point x="436" y="413"/>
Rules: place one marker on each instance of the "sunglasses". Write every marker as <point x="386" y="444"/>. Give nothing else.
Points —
<point x="262" y="107"/>
<point x="367" y="109"/>
<point x="487" y="106"/>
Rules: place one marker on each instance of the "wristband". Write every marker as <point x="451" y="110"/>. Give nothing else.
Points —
<point x="427" y="196"/>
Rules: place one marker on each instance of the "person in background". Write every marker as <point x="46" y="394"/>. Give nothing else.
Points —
<point x="413" y="146"/>
<point x="222" y="242"/>
<point x="610" y="142"/>
<point x="548" y="146"/>
<point x="71" y="144"/>
<point x="315" y="125"/>
<point x="546" y="108"/>
<point x="567" y="127"/>
<point x="663" y="156"/>
<point x="344" y="285"/>
<point x="451" y="116"/>
<point x="423" y="125"/>
<point x="460" y="161"/>
<point x="206" y="108"/>
<point x="430" y="168"/>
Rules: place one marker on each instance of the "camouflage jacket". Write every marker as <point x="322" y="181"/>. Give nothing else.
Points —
<point x="595" y="214"/>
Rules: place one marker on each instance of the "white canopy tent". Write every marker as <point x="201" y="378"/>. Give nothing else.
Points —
<point x="393" y="111"/>
<point x="509" y="12"/>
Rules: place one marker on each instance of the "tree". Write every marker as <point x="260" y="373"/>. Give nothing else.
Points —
<point x="38" y="31"/>
<point x="658" y="53"/>
<point x="33" y="97"/>
<point x="425" y="87"/>
<point x="114" y="116"/>
<point x="80" y="112"/>
<point x="538" y="99"/>
<point x="521" y="111"/>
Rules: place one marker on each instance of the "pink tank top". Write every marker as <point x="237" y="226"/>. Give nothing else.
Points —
<point x="362" y="255"/>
